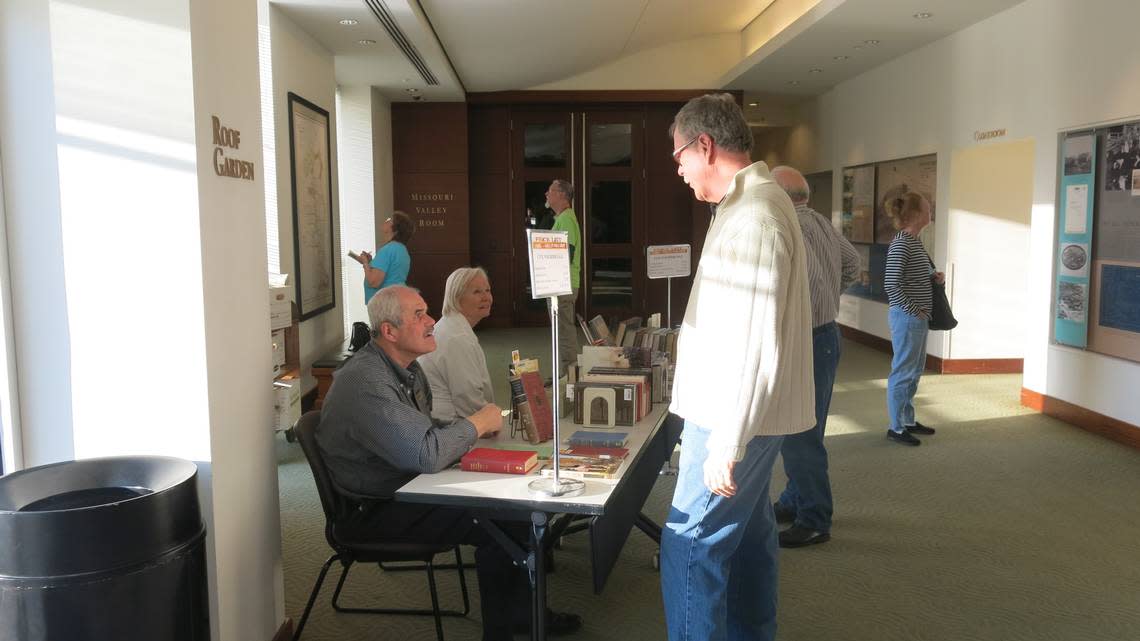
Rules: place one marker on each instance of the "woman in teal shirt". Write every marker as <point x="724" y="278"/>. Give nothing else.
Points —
<point x="392" y="262"/>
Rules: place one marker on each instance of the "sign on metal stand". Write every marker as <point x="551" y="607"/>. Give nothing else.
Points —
<point x="668" y="261"/>
<point x="549" y="253"/>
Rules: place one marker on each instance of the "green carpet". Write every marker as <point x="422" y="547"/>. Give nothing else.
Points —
<point x="1006" y="525"/>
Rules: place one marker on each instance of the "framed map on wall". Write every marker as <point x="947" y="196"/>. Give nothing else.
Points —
<point x="894" y="178"/>
<point x="310" y="166"/>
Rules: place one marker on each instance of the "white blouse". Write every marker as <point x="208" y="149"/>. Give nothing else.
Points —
<point x="457" y="370"/>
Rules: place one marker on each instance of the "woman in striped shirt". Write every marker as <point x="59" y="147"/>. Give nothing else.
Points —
<point x="909" y="271"/>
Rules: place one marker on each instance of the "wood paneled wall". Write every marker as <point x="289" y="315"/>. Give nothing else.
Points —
<point x="430" y="181"/>
<point x="490" y="176"/>
<point x="452" y="175"/>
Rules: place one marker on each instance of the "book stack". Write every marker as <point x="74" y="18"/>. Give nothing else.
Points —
<point x="596" y="452"/>
<point x="488" y="459"/>
<point x="606" y="404"/>
<point x="643" y="375"/>
<point x="584" y="467"/>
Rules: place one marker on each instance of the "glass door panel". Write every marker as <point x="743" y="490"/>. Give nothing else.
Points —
<point x="612" y="172"/>
<point x="611" y="212"/>
<point x="542" y="150"/>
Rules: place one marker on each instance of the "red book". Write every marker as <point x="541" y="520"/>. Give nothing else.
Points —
<point x="488" y="459"/>
<point x="539" y="405"/>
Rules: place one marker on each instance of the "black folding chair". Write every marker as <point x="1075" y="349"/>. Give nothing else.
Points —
<point x="348" y="552"/>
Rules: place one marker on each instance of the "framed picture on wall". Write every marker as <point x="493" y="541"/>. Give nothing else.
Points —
<point x="858" y="213"/>
<point x="894" y="179"/>
<point x="310" y="167"/>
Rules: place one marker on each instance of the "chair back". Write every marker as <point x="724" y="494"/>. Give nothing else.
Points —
<point x="333" y="503"/>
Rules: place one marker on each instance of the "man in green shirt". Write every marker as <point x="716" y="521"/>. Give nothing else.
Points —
<point x="558" y="199"/>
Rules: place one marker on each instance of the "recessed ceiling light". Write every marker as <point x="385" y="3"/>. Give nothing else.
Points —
<point x="366" y="42"/>
<point x="412" y="90"/>
<point x="816" y="70"/>
<point x="793" y="82"/>
<point x="753" y="104"/>
<point x="348" y="22"/>
<point x="839" y="57"/>
<point x="871" y="43"/>
<point x="923" y="15"/>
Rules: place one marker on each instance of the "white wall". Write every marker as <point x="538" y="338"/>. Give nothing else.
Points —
<point x="1039" y="68"/>
<point x="302" y="66"/>
<point x="355" y="117"/>
<point x="247" y="568"/>
<point x="40" y="331"/>
<point x="139" y="302"/>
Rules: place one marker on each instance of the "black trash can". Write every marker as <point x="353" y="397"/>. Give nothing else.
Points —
<point x="103" y="549"/>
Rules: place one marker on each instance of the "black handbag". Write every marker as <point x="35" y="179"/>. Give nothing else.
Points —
<point x="941" y="316"/>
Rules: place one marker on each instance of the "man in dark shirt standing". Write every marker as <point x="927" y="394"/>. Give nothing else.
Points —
<point x="376" y="434"/>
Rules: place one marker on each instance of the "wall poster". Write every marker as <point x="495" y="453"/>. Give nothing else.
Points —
<point x="1074" y="242"/>
<point x="1114" y="228"/>
<point x="858" y="213"/>
<point x="894" y="179"/>
<point x="310" y="166"/>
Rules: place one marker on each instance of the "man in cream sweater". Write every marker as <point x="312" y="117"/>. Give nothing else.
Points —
<point x="743" y="381"/>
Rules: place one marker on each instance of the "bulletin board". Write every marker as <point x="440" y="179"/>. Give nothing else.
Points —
<point x="1113" y="222"/>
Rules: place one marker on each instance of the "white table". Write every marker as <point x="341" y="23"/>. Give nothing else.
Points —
<point x="613" y="506"/>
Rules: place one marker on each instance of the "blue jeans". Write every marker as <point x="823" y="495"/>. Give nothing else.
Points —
<point x="808" y="492"/>
<point x="718" y="555"/>
<point x="908" y="339"/>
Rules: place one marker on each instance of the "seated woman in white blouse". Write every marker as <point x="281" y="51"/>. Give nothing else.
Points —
<point x="457" y="369"/>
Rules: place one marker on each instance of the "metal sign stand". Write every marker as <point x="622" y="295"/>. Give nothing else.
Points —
<point x="548" y="487"/>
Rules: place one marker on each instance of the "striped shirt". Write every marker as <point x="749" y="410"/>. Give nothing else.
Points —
<point x="908" y="275"/>
<point x="376" y="430"/>
<point x="832" y="264"/>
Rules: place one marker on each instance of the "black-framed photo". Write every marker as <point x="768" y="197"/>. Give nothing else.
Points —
<point x="310" y="166"/>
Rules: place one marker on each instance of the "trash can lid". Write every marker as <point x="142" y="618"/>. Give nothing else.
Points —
<point x="96" y="514"/>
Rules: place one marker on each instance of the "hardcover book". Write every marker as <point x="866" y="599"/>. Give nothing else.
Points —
<point x="601" y="330"/>
<point x="606" y="404"/>
<point x="539" y="405"/>
<point x="591" y="438"/>
<point x="488" y="459"/>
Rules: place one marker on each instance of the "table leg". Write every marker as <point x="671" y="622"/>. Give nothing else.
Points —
<point x="536" y="566"/>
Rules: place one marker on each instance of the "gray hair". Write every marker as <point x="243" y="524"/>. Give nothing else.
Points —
<point x="717" y="115"/>
<point x="793" y="183"/>
<point x="566" y="187"/>
<point x="457" y="282"/>
<point x="384" y="307"/>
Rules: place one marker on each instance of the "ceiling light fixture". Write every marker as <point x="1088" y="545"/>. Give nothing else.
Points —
<point x="923" y="15"/>
<point x="348" y="22"/>
<point x="753" y="104"/>
<point x="815" y="70"/>
<point x="871" y="43"/>
<point x="366" y="42"/>
<point x="412" y="90"/>
<point x="839" y="58"/>
<point x="793" y="82"/>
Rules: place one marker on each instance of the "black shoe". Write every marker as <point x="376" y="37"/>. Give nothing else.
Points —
<point x="919" y="428"/>
<point x="798" y="536"/>
<point x="557" y="624"/>
<point x="904" y="437"/>
<point x="783" y="514"/>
